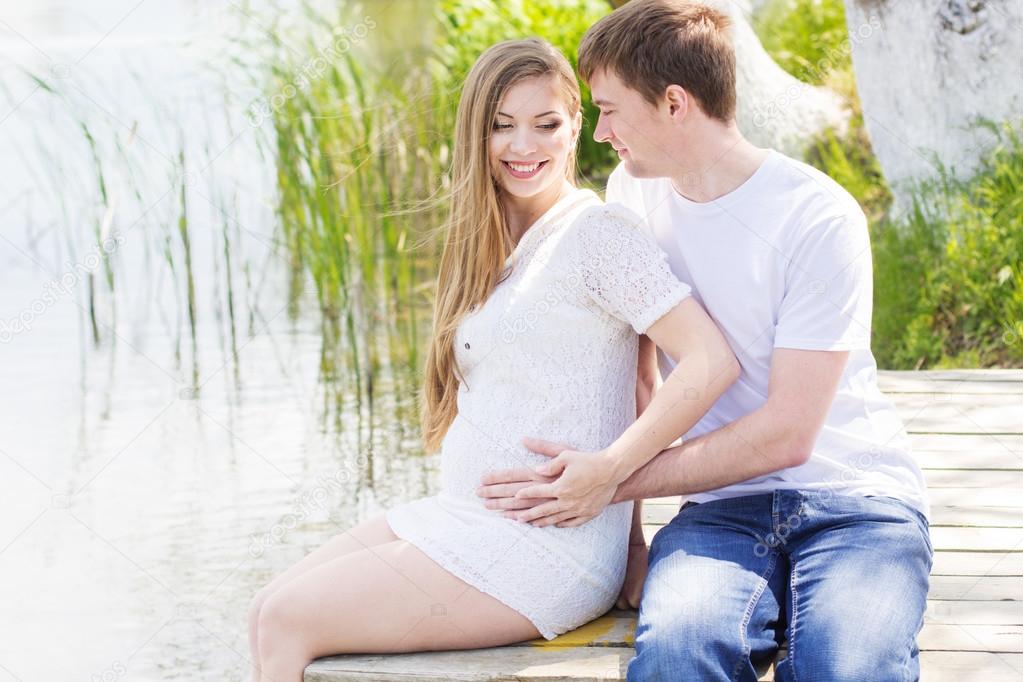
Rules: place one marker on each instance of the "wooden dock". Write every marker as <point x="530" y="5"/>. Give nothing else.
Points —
<point x="967" y="433"/>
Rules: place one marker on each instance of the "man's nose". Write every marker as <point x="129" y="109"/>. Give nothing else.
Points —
<point x="602" y="131"/>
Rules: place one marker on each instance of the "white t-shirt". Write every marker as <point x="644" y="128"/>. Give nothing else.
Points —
<point x="783" y="261"/>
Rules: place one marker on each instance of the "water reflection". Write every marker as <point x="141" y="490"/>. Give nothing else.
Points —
<point x="155" y="470"/>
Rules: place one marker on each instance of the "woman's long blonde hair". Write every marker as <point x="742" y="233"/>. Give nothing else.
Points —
<point x="477" y="241"/>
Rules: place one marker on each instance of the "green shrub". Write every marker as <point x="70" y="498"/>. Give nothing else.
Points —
<point x="949" y="277"/>
<point x="808" y="38"/>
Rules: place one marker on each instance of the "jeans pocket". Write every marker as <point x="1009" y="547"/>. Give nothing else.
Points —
<point x="912" y="512"/>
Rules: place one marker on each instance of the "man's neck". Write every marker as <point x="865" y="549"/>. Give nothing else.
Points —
<point x="718" y="161"/>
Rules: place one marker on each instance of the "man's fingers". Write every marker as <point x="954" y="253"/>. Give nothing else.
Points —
<point x="573" y="522"/>
<point x="502" y="489"/>
<point x="554" y="519"/>
<point x="512" y="503"/>
<point x="542" y="490"/>
<point x="508" y="476"/>
<point x="537" y="512"/>
<point x="545" y="447"/>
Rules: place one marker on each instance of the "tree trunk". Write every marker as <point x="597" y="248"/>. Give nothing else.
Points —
<point x="927" y="72"/>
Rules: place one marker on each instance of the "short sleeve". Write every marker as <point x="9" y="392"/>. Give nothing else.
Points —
<point x="828" y="296"/>
<point x="624" y="271"/>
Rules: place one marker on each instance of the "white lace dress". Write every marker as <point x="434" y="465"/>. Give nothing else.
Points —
<point x="551" y="354"/>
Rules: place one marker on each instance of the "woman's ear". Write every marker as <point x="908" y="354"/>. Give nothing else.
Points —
<point x="577" y="126"/>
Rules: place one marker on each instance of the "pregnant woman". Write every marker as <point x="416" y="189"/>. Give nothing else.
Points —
<point x="542" y="295"/>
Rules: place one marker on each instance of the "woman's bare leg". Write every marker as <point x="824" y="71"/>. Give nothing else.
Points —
<point x="370" y="533"/>
<point x="385" y="599"/>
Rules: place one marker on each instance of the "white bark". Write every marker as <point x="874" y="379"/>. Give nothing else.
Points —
<point x="774" y="108"/>
<point x="927" y="71"/>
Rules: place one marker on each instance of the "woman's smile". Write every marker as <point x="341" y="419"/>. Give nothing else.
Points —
<point x="522" y="170"/>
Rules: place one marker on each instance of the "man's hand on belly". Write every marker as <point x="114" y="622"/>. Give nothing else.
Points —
<point x="499" y="488"/>
<point x="568" y="491"/>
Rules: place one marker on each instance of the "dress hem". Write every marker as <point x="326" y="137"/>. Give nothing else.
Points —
<point x="444" y="560"/>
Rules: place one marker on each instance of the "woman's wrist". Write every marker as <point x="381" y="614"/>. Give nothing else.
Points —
<point x="617" y="467"/>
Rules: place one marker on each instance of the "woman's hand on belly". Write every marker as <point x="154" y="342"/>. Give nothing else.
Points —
<point x="585" y="484"/>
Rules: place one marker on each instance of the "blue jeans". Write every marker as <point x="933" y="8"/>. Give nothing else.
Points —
<point x="842" y="578"/>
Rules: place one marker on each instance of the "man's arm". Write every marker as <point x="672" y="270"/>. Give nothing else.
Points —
<point x="779" y="435"/>
<point x="586" y="482"/>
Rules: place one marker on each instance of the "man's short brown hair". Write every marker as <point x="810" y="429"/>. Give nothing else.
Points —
<point x="651" y="44"/>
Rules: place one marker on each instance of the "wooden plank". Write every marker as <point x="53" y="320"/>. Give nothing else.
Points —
<point x="523" y="664"/>
<point x="996" y="638"/>
<point x="1005" y="517"/>
<point x="894" y="380"/>
<point x="956" y="388"/>
<point x="968" y="444"/>
<point x="616" y="628"/>
<point x="973" y="612"/>
<point x="978" y="563"/>
<point x="959" y="666"/>
<point x="976" y="497"/>
<point x="1013" y="385"/>
<point x="957" y="478"/>
<point x="984" y="414"/>
<point x="974" y="588"/>
<point x="977" y="539"/>
<point x="935" y="460"/>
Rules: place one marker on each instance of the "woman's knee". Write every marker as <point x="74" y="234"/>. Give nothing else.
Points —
<point x="277" y="627"/>
<point x="256" y="605"/>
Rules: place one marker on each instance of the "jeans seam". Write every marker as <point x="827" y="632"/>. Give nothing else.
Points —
<point x="793" y="582"/>
<point x="750" y="606"/>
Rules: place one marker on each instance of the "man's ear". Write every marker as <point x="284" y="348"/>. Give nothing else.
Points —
<point x="678" y="102"/>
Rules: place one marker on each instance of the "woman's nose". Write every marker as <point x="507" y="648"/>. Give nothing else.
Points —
<point x="522" y="142"/>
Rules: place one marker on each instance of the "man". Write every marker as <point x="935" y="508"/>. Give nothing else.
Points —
<point x="806" y="517"/>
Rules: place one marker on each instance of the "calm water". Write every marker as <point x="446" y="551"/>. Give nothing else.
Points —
<point x="152" y="481"/>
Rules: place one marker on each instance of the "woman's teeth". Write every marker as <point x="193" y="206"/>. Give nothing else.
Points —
<point x="525" y="170"/>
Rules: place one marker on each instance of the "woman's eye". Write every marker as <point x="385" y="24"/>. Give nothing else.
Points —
<point x="501" y="126"/>
<point x="550" y="126"/>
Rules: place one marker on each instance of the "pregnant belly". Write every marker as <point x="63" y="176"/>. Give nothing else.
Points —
<point x="471" y="450"/>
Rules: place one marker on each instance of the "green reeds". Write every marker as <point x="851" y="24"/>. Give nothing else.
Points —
<point x="360" y="163"/>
